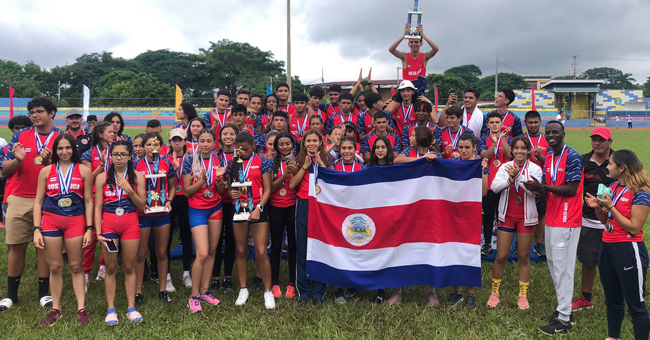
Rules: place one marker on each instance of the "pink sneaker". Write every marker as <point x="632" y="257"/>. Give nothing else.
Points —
<point x="581" y="303"/>
<point x="195" y="304"/>
<point x="207" y="297"/>
<point x="277" y="293"/>
<point x="522" y="302"/>
<point x="395" y="298"/>
<point x="493" y="301"/>
<point x="291" y="292"/>
<point x="433" y="299"/>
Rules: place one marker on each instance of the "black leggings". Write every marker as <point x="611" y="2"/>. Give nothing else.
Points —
<point x="179" y="210"/>
<point x="490" y="203"/>
<point x="278" y="219"/>
<point x="227" y="255"/>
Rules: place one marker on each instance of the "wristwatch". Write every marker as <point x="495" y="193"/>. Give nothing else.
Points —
<point x="542" y="188"/>
<point x="36" y="228"/>
<point x="261" y="207"/>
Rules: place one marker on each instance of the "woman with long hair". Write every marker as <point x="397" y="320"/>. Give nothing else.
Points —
<point x="202" y="184"/>
<point x="264" y="120"/>
<point x="179" y="204"/>
<point x="160" y="193"/>
<point x="119" y="193"/>
<point x="623" y="257"/>
<point x="63" y="214"/>
<point x="517" y="215"/>
<point x="225" y="153"/>
<point x="312" y="153"/>
<point x="382" y="152"/>
<point x="185" y="112"/>
<point x="196" y="125"/>
<point x="116" y="120"/>
<point x="282" y="212"/>
<point x="248" y="166"/>
<point x="138" y="149"/>
<point x="269" y="142"/>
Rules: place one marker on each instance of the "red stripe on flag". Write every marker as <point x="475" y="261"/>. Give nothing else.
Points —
<point x="421" y="221"/>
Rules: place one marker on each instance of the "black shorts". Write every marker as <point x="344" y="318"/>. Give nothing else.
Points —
<point x="264" y="215"/>
<point x="540" y="202"/>
<point x="588" y="246"/>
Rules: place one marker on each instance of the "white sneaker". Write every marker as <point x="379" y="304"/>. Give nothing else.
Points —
<point x="6" y="304"/>
<point x="46" y="301"/>
<point x="187" y="281"/>
<point x="269" y="301"/>
<point x="100" y="273"/>
<point x="243" y="297"/>
<point x="169" y="286"/>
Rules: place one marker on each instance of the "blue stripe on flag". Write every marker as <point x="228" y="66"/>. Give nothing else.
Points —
<point x="394" y="277"/>
<point x="454" y="170"/>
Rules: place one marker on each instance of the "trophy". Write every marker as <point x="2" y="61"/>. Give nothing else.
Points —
<point x="414" y="34"/>
<point x="243" y="205"/>
<point x="155" y="197"/>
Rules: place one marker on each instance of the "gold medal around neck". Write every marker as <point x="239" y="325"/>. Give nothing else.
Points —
<point x="38" y="160"/>
<point x="283" y="192"/>
<point x="208" y="193"/>
<point x="317" y="190"/>
<point x="455" y="155"/>
<point x="496" y="163"/>
<point x="518" y="200"/>
<point x="65" y="202"/>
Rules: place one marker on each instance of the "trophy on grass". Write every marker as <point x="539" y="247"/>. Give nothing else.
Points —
<point x="414" y="34"/>
<point x="243" y="205"/>
<point x="155" y="196"/>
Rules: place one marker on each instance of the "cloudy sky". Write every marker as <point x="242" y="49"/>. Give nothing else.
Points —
<point x="341" y="36"/>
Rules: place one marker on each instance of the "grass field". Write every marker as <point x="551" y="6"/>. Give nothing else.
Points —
<point x="410" y="319"/>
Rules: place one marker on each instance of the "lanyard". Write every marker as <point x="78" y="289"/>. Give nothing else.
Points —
<point x="248" y="167"/>
<point x="616" y="199"/>
<point x="301" y="130"/>
<point x="496" y="148"/>
<point x="539" y="137"/>
<point x="208" y="171"/>
<point x="64" y="182"/>
<point x="39" y="145"/>
<point x="225" y="115"/>
<point x="154" y="171"/>
<point x="343" y="118"/>
<point x="407" y="113"/>
<point x="454" y="141"/>
<point x="180" y="168"/>
<point x="351" y="168"/>
<point x="555" y="165"/>
<point x="522" y="172"/>
<point x="119" y="190"/>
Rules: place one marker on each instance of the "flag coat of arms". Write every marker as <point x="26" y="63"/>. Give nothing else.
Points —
<point x="417" y="223"/>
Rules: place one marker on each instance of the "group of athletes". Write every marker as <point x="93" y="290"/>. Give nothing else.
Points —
<point x="69" y="191"/>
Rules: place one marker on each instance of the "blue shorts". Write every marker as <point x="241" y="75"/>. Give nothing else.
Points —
<point x="153" y="221"/>
<point x="202" y="216"/>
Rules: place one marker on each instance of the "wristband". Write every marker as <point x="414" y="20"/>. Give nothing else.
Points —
<point x="36" y="228"/>
<point x="90" y="228"/>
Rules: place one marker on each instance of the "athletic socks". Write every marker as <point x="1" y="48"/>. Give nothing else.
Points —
<point x="587" y="296"/>
<point x="12" y="287"/>
<point x="496" y="283"/>
<point x="186" y="274"/>
<point x="523" y="288"/>
<point x="43" y="286"/>
<point x="432" y="289"/>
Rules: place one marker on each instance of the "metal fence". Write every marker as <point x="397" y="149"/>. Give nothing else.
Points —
<point x="134" y="102"/>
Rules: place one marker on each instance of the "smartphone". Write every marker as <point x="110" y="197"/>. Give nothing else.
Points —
<point x="111" y="246"/>
<point x="453" y="91"/>
<point x="290" y="159"/>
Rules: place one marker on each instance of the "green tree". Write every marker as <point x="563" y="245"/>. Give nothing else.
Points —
<point x="506" y="80"/>
<point x="646" y="88"/>
<point x="444" y="82"/>
<point x="140" y="91"/>
<point x="176" y="68"/>
<point x="469" y="73"/>
<point x="614" y="78"/>
<point x="28" y="80"/>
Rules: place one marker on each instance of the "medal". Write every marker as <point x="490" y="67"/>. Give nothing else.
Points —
<point x="179" y="188"/>
<point x="522" y="173"/>
<point x="454" y="141"/>
<point x="64" y="185"/>
<point x="39" y="146"/>
<point x="455" y="155"/>
<point x="518" y="200"/>
<point x="64" y="202"/>
<point x="283" y="192"/>
<point x="119" y="211"/>
<point x="609" y="228"/>
<point x="496" y="163"/>
<point x="208" y="193"/>
<point x="301" y="130"/>
<point x="38" y="160"/>
<point x="208" y="174"/>
<point x="317" y="190"/>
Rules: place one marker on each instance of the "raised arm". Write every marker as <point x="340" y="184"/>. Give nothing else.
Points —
<point x="393" y="48"/>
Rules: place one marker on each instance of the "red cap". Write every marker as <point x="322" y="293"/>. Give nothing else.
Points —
<point x="602" y="132"/>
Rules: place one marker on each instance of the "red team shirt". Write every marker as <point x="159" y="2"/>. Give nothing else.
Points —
<point x="75" y="192"/>
<point x="289" y="198"/>
<point x="92" y="156"/>
<point x="404" y="116"/>
<point x="28" y="171"/>
<point x="484" y="143"/>
<point x="562" y="211"/>
<point x="538" y="141"/>
<point x="225" y="158"/>
<point x="443" y="138"/>
<point x="414" y="67"/>
<point x="623" y="200"/>
<point x="408" y="131"/>
<point x="343" y="167"/>
<point x="331" y="110"/>
<point x="111" y="201"/>
<point x="289" y="109"/>
<point x="369" y="141"/>
<point x="197" y="201"/>
<point x="258" y="167"/>
<point x="298" y="126"/>
<point x="209" y="120"/>
<point x="164" y="168"/>
<point x="177" y="164"/>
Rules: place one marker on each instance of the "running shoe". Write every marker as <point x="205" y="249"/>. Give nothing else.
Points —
<point x="317" y="302"/>
<point x="111" y="317"/>
<point x="522" y="302"/>
<point x="187" y="281"/>
<point x="432" y="297"/>
<point x="395" y="298"/>
<point x="101" y="273"/>
<point x="169" y="287"/>
<point x="302" y="303"/>
<point x="207" y="297"/>
<point x="454" y="298"/>
<point x="581" y="303"/>
<point x="470" y="302"/>
<point x="215" y="286"/>
<point x="164" y="297"/>
<point x="277" y="293"/>
<point x="338" y="296"/>
<point x="194" y="304"/>
<point x="556" y="326"/>
<point x="291" y="292"/>
<point x="555" y="316"/>
<point x="493" y="302"/>
<point x="45" y="301"/>
<point x="83" y="317"/>
<point x="256" y="284"/>
<point x="51" y="318"/>
<point x="6" y="303"/>
<point x="133" y="315"/>
<point x="539" y="249"/>
<point x="269" y="300"/>
<point x="138" y="300"/>
<point x="242" y="298"/>
<point x="486" y="249"/>
<point x="380" y="297"/>
<point x="227" y="285"/>
<point x="349" y="292"/>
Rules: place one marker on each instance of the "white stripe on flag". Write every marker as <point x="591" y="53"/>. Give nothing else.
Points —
<point x="437" y="255"/>
<point x="386" y="194"/>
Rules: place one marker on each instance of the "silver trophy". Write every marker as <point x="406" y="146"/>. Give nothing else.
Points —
<point x="243" y="206"/>
<point x="155" y="196"/>
<point x="415" y="11"/>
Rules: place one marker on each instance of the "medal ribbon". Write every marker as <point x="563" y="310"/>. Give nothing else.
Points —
<point x="119" y="190"/>
<point x="208" y="171"/>
<point x="496" y="148"/>
<point x="555" y="165"/>
<point x="301" y="131"/>
<point x="531" y="141"/>
<point x="180" y="169"/>
<point x="154" y="180"/>
<point x="248" y="167"/>
<point x="407" y="113"/>
<point x="334" y="110"/>
<point x="351" y="169"/>
<point x="64" y="182"/>
<point x="343" y="118"/>
<point x="225" y="115"/>
<point x="194" y="145"/>
<point x="39" y="145"/>
<point x="454" y="141"/>
<point x="616" y="199"/>
<point x="282" y="170"/>
<point x="522" y="172"/>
